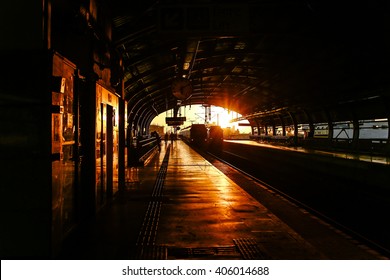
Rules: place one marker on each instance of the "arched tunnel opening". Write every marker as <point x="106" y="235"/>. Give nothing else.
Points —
<point x="299" y="88"/>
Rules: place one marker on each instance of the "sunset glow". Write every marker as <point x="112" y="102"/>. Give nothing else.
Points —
<point x="196" y="114"/>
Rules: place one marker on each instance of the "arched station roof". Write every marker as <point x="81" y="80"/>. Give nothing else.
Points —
<point x="258" y="58"/>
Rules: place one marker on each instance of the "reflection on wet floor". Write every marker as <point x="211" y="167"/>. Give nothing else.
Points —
<point x="132" y="175"/>
<point x="202" y="208"/>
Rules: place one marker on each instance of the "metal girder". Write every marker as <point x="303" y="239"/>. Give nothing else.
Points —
<point x="308" y="65"/>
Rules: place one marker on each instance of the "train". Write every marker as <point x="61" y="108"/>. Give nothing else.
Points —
<point x="215" y="138"/>
<point x="202" y="136"/>
<point x="195" y="135"/>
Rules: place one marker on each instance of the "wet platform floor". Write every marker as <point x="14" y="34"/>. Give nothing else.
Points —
<point x="194" y="211"/>
<point x="203" y="208"/>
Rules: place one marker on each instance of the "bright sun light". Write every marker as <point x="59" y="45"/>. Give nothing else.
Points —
<point x="196" y="114"/>
<point x="221" y="116"/>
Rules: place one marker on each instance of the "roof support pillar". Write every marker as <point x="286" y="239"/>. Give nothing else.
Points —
<point x="330" y="126"/>
<point x="294" y="120"/>
<point x="356" y="130"/>
<point x="257" y="126"/>
<point x="311" y="125"/>
<point x="273" y="129"/>
<point x="283" y="125"/>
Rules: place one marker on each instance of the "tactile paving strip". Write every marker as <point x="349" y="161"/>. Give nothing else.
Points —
<point x="147" y="235"/>
<point x="223" y="252"/>
<point x="152" y="252"/>
<point x="249" y="249"/>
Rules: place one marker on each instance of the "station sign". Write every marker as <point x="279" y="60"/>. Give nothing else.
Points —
<point x="175" y="121"/>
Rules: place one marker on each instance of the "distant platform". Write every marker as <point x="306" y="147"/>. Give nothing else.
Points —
<point x="346" y="155"/>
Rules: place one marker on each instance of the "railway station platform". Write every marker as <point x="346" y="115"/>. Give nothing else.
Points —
<point x="180" y="206"/>
<point x="364" y="157"/>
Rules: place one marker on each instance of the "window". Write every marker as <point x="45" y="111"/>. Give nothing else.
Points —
<point x="373" y="129"/>
<point x="343" y="130"/>
<point x="321" y="130"/>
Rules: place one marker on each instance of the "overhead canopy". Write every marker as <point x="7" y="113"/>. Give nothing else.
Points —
<point x="252" y="56"/>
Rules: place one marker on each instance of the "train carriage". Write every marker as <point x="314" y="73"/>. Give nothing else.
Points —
<point x="195" y="135"/>
<point x="215" y="138"/>
<point x="199" y="135"/>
